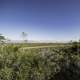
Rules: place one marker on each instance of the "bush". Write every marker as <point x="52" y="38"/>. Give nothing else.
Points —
<point x="39" y="64"/>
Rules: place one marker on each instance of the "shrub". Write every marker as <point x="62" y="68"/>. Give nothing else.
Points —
<point x="39" y="64"/>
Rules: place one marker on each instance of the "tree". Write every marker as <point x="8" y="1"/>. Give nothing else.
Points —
<point x="2" y="38"/>
<point x="24" y="35"/>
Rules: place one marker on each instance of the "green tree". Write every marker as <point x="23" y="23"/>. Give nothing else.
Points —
<point x="2" y="38"/>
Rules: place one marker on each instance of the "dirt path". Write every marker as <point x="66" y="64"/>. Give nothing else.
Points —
<point x="41" y="47"/>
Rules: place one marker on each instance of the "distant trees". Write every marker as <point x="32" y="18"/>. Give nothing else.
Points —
<point x="24" y="36"/>
<point x="2" y="38"/>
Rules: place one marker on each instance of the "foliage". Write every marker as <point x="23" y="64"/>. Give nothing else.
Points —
<point x="2" y="38"/>
<point x="52" y="63"/>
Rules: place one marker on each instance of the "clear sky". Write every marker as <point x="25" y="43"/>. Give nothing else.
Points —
<point x="41" y="19"/>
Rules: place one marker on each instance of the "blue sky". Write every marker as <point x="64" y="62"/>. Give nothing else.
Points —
<point x="41" y="19"/>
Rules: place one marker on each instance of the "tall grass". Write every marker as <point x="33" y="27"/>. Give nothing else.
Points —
<point x="39" y="64"/>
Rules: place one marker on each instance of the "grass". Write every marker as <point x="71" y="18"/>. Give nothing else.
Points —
<point x="39" y="62"/>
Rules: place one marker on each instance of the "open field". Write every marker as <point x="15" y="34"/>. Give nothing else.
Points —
<point x="39" y="61"/>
